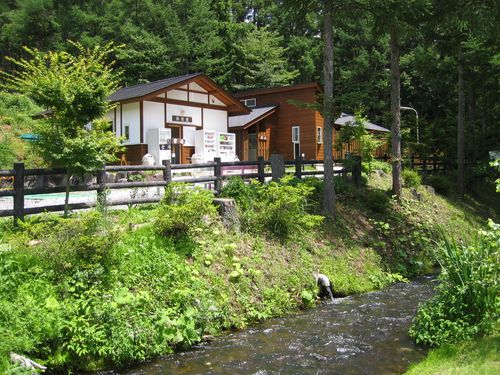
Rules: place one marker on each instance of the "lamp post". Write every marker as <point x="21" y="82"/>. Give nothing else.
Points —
<point x="416" y="113"/>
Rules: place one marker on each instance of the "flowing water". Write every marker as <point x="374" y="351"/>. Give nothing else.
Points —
<point x="364" y="334"/>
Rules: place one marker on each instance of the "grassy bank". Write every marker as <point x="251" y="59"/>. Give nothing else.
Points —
<point x="103" y="290"/>
<point x="480" y="357"/>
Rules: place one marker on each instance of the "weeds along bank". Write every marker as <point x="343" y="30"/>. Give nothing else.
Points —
<point x="462" y="320"/>
<point x="102" y="290"/>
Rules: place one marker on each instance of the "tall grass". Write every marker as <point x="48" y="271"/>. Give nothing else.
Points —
<point x="467" y="303"/>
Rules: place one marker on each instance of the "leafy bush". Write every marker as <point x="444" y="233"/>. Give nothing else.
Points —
<point x="441" y="184"/>
<point x="281" y="209"/>
<point x="382" y="165"/>
<point x="183" y="209"/>
<point x="467" y="303"/>
<point x="411" y="179"/>
<point x="377" y="201"/>
<point x="241" y="192"/>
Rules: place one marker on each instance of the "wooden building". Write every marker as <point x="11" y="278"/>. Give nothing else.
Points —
<point x="278" y="125"/>
<point x="182" y="104"/>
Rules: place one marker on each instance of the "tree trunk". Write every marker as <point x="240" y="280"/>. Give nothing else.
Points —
<point x="329" y="192"/>
<point x="460" y="127"/>
<point x="396" y="113"/>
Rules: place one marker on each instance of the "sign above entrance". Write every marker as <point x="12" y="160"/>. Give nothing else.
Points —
<point x="182" y="118"/>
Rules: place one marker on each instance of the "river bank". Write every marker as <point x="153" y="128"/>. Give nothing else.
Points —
<point x="102" y="291"/>
<point x="358" y="334"/>
<point x="478" y="357"/>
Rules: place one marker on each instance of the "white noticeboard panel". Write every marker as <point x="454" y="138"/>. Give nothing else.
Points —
<point x="159" y="144"/>
<point x="206" y="144"/>
<point x="226" y="143"/>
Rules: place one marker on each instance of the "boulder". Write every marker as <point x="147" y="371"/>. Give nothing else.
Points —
<point x="415" y="194"/>
<point x="430" y="189"/>
<point x="380" y="173"/>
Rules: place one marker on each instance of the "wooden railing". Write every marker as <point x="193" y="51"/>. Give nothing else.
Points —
<point x="217" y="172"/>
<point x="423" y="164"/>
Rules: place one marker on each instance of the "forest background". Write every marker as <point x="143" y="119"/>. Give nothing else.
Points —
<point x="245" y="44"/>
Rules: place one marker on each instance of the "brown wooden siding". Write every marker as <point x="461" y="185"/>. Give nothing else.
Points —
<point x="280" y="136"/>
<point x="186" y="153"/>
<point x="134" y="153"/>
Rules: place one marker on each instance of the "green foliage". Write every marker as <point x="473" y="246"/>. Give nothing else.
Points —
<point x="477" y="357"/>
<point x="184" y="210"/>
<point x="441" y="184"/>
<point x="377" y="165"/>
<point x="411" y="179"/>
<point x="467" y="303"/>
<point x="7" y="156"/>
<point x="496" y="164"/>
<point x="308" y="298"/>
<point x="281" y="209"/>
<point x="263" y="63"/>
<point x="242" y="193"/>
<point x="95" y="291"/>
<point x="377" y="201"/>
<point x="15" y="120"/>
<point x="75" y="88"/>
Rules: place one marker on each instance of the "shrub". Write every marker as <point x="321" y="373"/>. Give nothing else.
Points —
<point x="411" y="179"/>
<point x="441" y="184"/>
<point x="467" y="303"/>
<point x="376" y="165"/>
<point x="281" y="209"/>
<point x="377" y="201"/>
<point x="242" y="193"/>
<point x="183" y="209"/>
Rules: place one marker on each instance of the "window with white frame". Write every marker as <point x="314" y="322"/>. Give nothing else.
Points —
<point x="126" y="132"/>
<point x="249" y="102"/>
<point x="295" y="134"/>
<point x="319" y="135"/>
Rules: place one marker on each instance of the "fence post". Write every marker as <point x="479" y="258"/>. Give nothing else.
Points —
<point x="101" y="188"/>
<point x="19" y="188"/>
<point x="277" y="167"/>
<point x="434" y="164"/>
<point x="424" y="165"/>
<point x="167" y="172"/>
<point x="218" y="176"/>
<point x="298" y="167"/>
<point x="260" y="169"/>
<point x="412" y="162"/>
<point x="356" y="171"/>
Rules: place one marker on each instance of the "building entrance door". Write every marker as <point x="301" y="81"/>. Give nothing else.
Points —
<point x="175" y="144"/>
<point x="252" y="146"/>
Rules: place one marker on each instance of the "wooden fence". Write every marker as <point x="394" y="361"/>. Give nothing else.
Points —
<point x="261" y="169"/>
<point x="423" y="164"/>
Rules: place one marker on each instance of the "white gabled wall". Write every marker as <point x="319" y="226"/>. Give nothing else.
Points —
<point x="131" y="117"/>
<point x="215" y="120"/>
<point x="154" y="117"/>
<point x="184" y="110"/>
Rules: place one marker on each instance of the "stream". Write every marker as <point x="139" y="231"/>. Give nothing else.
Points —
<point x="363" y="334"/>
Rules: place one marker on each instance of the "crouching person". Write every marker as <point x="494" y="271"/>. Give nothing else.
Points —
<point x="325" y="287"/>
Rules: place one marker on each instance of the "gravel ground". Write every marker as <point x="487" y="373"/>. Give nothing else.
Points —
<point x="42" y="200"/>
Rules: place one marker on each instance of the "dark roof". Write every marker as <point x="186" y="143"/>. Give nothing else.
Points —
<point x="349" y="120"/>
<point x="257" y="114"/>
<point x="148" y="88"/>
